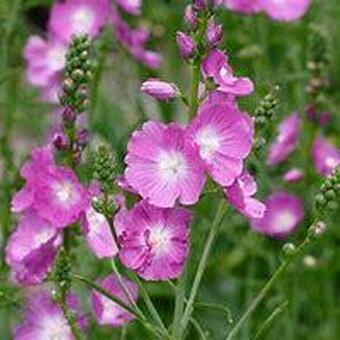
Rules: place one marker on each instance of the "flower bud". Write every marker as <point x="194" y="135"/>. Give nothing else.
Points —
<point x="288" y="249"/>
<point x="214" y="33"/>
<point x="324" y="118"/>
<point x="69" y="116"/>
<point x="186" y="45"/>
<point x="159" y="89"/>
<point x="82" y="137"/>
<point x="59" y="141"/>
<point x="318" y="228"/>
<point x="190" y="16"/>
<point x="199" y="5"/>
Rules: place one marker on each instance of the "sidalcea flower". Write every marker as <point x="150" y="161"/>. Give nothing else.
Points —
<point x="187" y="46"/>
<point x="284" y="10"/>
<point x="31" y="249"/>
<point x="293" y="175"/>
<point x="44" y="319"/>
<point x="97" y="230"/>
<point x="162" y="167"/>
<point x="78" y="17"/>
<point x="45" y="62"/>
<point x="216" y="66"/>
<point x="224" y="138"/>
<point x="108" y="312"/>
<point x="243" y="6"/>
<point x="286" y="141"/>
<point x="130" y="6"/>
<point x="54" y="192"/>
<point x="326" y="156"/>
<point x="240" y="193"/>
<point x="283" y="214"/>
<point x="154" y="241"/>
<point x="159" y="89"/>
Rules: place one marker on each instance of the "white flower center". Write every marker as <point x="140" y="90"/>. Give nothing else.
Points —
<point x="208" y="141"/>
<point x="284" y="221"/>
<point x="54" y="328"/>
<point x="83" y="20"/>
<point x="159" y="239"/>
<point x="56" y="58"/>
<point x="172" y="166"/>
<point x="64" y="192"/>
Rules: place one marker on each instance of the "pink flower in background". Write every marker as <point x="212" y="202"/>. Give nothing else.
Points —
<point x="293" y="175"/>
<point x="132" y="7"/>
<point x="326" y="156"/>
<point x="216" y="66"/>
<point x="285" y="10"/>
<point x="74" y="17"/>
<point x="108" y="312"/>
<point x="286" y="141"/>
<point x="54" y="192"/>
<point x="44" y="319"/>
<point x="154" y="241"/>
<point x="162" y="167"/>
<point x="224" y="138"/>
<point x="97" y="230"/>
<point x="243" y="6"/>
<point x="31" y="249"/>
<point x="45" y="63"/>
<point x="283" y="214"/>
<point x="240" y="193"/>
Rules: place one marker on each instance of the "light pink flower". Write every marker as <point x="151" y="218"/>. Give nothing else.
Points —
<point x="74" y="17"/>
<point x="216" y="66"/>
<point x="154" y="241"/>
<point x="243" y="6"/>
<point x="224" y="138"/>
<point x="31" y="249"/>
<point x="283" y="214"/>
<point x="286" y="141"/>
<point x="97" y="230"/>
<point x="162" y="167"/>
<point x="293" y="175"/>
<point x="285" y="10"/>
<point x="159" y="89"/>
<point x="132" y="7"/>
<point x="44" y="319"/>
<point x="326" y="156"/>
<point x="240" y="193"/>
<point x="108" y="312"/>
<point x="54" y="192"/>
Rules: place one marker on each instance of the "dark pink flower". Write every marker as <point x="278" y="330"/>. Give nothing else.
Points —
<point x="108" y="312"/>
<point x="224" y="138"/>
<point x="286" y="141"/>
<point x="74" y="17"/>
<point x="154" y="241"/>
<point x="326" y="156"/>
<point x="31" y="249"/>
<point x="283" y="214"/>
<point x="162" y="167"/>
<point x="240" y="193"/>
<point x="216" y="66"/>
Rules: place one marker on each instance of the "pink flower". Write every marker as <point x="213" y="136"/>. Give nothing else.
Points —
<point x="44" y="319"/>
<point x="285" y="10"/>
<point x="108" y="312"/>
<point x="283" y="214"/>
<point x="154" y="241"/>
<point x="31" y="249"/>
<point x="293" y="175"/>
<point x="45" y="63"/>
<point x="74" y="17"/>
<point x="159" y="89"/>
<point x="187" y="46"/>
<point x="130" y="6"/>
<point x="97" y="230"/>
<point x="326" y="156"/>
<point x="216" y="66"/>
<point x="162" y="167"/>
<point x="52" y="191"/>
<point x="286" y="141"/>
<point x="243" y="6"/>
<point x="240" y="193"/>
<point x="224" y="138"/>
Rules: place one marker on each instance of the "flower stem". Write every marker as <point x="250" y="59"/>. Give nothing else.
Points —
<point x="264" y="291"/>
<point x="196" y="72"/>
<point x="203" y="263"/>
<point x="71" y="321"/>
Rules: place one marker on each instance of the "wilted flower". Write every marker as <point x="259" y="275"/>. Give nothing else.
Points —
<point x="154" y="241"/>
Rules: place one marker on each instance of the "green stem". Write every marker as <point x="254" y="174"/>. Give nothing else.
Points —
<point x="71" y="321"/>
<point x="264" y="291"/>
<point x="196" y="73"/>
<point x="203" y="263"/>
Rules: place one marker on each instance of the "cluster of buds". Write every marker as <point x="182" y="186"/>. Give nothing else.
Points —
<point x="329" y="195"/>
<point x="321" y="118"/>
<point x="75" y="97"/>
<point x="318" y="63"/>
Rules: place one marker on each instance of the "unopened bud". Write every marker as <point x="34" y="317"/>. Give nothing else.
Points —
<point x="288" y="249"/>
<point x="186" y="45"/>
<point x="159" y="89"/>
<point x="214" y="33"/>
